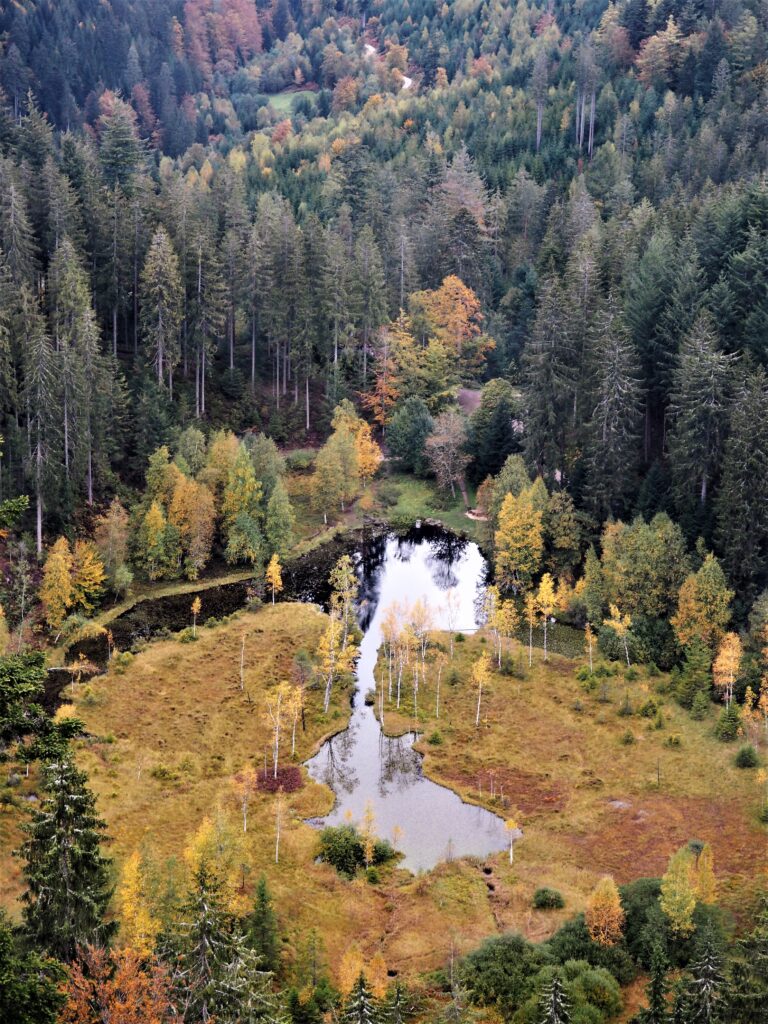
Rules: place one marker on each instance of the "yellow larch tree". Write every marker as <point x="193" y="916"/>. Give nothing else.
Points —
<point x="56" y="590"/>
<point x="138" y="928"/>
<point x="369" y="455"/>
<point x="195" y="607"/>
<point x="274" y="576"/>
<point x="88" y="575"/>
<point x="350" y="969"/>
<point x="531" y="611"/>
<point x="604" y="914"/>
<point x="545" y="602"/>
<point x="621" y="625"/>
<point x="481" y="676"/>
<point x="678" y="892"/>
<point x="376" y="972"/>
<point x="725" y="669"/>
<point x="519" y="542"/>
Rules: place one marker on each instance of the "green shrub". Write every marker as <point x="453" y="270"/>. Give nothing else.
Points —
<point x="652" y="669"/>
<point x="747" y="757"/>
<point x="372" y="876"/>
<point x="658" y="722"/>
<point x="187" y="636"/>
<point x="675" y="740"/>
<point x="121" y="661"/>
<point x="727" y="727"/>
<point x="300" y="461"/>
<point x="700" y="706"/>
<point x="342" y="846"/>
<point x="548" y="899"/>
<point x="763" y="815"/>
<point x="370" y="698"/>
<point x="460" y="638"/>
<point x="627" y="739"/>
<point x="649" y="709"/>
<point x="435" y="739"/>
<point x="631" y="674"/>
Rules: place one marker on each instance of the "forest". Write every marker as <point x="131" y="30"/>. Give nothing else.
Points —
<point x="285" y="285"/>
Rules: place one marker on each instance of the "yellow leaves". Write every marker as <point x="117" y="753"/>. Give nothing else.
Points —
<point x="481" y="671"/>
<point x="519" y="541"/>
<point x="197" y="604"/>
<point x="727" y="663"/>
<point x="620" y="624"/>
<point x="369" y="455"/>
<point x="56" y="590"/>
<point x="87" y="575"/>
<point x="138" y="928"/>
<point x="350" y="969"/>
<point x="237" y="160"/>
<point x="368" y="832"/>
<point x="274" y="576"/>
<point x="353" y="964"/>
<point x="689" y="877"/>
<point x="324" y="163"/>
<point x="376" y="973"/>
<point x="604" y="914"/>
<point x="545" y="596"/>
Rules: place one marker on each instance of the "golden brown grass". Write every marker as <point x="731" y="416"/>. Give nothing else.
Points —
<point x="167" y="736"/>
<point x="551" y="756"/>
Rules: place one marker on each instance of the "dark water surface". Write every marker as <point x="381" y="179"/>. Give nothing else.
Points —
<point x="361" y="764"/>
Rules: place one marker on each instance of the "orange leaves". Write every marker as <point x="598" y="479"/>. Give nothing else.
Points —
<point x="604" y="914"/>
<point x="116" y="987"/>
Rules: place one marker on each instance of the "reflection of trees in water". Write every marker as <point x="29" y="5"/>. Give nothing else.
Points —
<point x="445" y="551"/>
<point x="369" y="570"/>
<point x="399" y="764"/>
<point x="334" y="763"/>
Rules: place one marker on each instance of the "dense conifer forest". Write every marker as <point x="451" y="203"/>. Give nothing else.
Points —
<point x="275" y="273"/>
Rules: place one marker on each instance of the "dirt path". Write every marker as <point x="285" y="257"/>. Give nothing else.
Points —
<point x="371" y="51"/>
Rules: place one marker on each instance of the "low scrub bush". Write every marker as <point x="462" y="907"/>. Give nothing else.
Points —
<point x="548" y="899"/>
<point x="747" y="757"/>
<point x="343" y="847"/>
<point x="289" y="779"/>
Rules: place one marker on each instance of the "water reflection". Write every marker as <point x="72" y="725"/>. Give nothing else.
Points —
<point x="361" y="763"/>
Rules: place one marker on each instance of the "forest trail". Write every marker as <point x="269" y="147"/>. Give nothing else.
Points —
<point x="371" y="51"/>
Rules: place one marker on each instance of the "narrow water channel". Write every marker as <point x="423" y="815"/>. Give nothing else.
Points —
<point x="361" y="764"/>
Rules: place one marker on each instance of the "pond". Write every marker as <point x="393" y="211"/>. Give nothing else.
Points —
<point x="361" y="764"/>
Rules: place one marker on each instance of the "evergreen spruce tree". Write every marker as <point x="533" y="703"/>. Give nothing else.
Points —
<point x="614" y="428"/>
<point x="360" y="1006"/>
<point x="554" y="1007"/>
<point x="705" y="990"/>
<point x="549" y="382"/>
<point x="656" y="991"/>
<point x="218" y="977"/>
<point x="492" y="434"/>
<point x="407" y="435"/>
<point x="30" y="985"/>
<point x="262" y="935"/>
<point x="698" y="407"/>
<point x="746" y="991"/>
<point x="66" y="875"/>
<point x="161" y="306"/>
<point x="742" y="504"/>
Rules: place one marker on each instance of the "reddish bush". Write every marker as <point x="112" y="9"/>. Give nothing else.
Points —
<point x="289" y="779"/>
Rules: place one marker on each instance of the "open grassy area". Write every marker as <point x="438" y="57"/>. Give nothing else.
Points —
<point x="166" y="737"/>
<point x="168" y="734"/>
<point x="284" y="102"/>
<point x="591" y="800"/>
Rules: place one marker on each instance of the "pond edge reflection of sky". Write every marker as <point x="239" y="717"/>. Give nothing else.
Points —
<point x="360" y="764"/>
